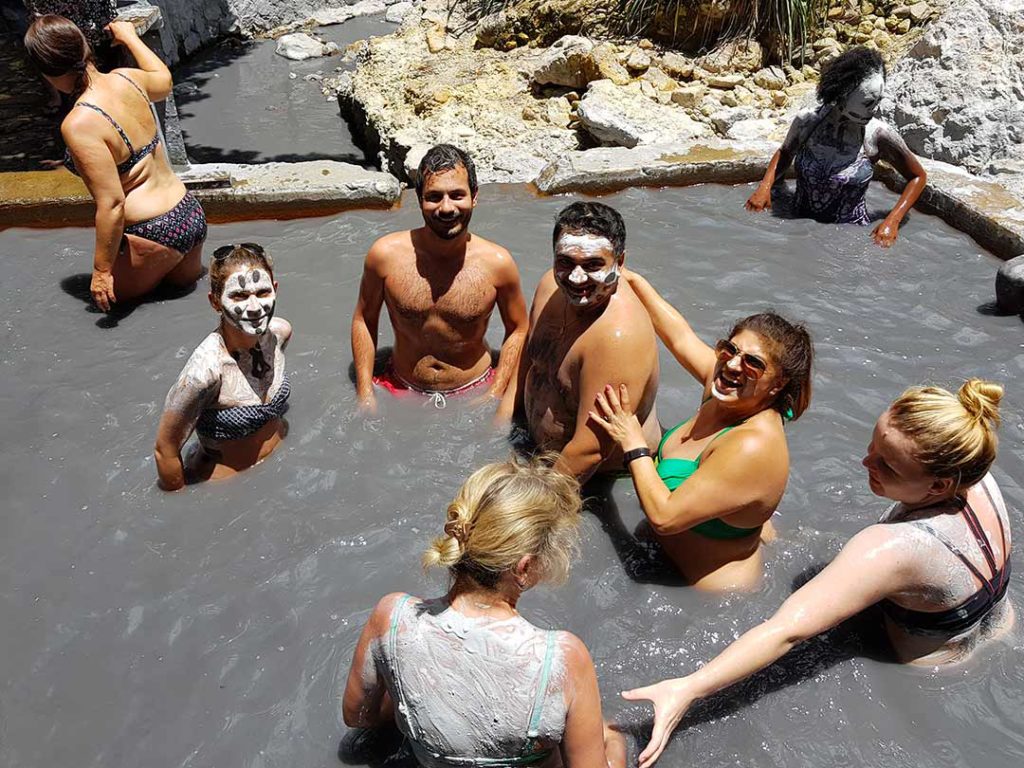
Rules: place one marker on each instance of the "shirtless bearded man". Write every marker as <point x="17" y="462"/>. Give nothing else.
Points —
<point x="587" y="330"/>
<point x="440" y="284"/>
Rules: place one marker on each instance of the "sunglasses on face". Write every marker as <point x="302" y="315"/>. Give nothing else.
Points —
<point x="226" y="250"/>
<point x="753" y="366"/>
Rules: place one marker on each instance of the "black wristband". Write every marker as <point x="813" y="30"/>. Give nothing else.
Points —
<point x="633" y="455"/>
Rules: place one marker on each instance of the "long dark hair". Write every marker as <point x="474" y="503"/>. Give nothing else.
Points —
<point x="56" y="46"/>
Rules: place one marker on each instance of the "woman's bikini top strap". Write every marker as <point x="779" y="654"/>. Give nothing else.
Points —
<point x="985" y="582"/>
<point x="135" y="85"/>
<point x="113" y="122"/>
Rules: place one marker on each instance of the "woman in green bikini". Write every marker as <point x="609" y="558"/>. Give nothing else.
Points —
<point x="716" y="479"/>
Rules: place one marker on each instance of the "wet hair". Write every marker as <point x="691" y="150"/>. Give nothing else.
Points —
<point x="445" y="157"/>
<point x="846" y="71"/>
<point x="228" y="258"/>
<point x="592" y="219"/>
<point x="955" y="435"/>
<point x="56" y="46"/>
<point x="502" y="513"/>
<point x="792" y="351"/>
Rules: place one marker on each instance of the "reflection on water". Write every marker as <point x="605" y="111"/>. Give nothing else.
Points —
<point x="215" y="626"/>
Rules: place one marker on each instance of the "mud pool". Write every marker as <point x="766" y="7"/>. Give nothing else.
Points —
<point x="214" y="627"/>
<point x="239" y="104"/>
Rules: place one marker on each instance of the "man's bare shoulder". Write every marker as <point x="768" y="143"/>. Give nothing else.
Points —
<point x="494" y="257"/>
<point x="385" y="250"/>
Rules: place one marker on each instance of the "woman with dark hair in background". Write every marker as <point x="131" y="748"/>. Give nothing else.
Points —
<point x="834" y="147"/>
<point x="149" y="228"/>
<point x="712" y="486"/>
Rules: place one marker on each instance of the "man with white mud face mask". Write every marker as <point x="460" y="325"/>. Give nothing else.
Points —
<point x="587" y="330"/>
<point x="440" y="284"/>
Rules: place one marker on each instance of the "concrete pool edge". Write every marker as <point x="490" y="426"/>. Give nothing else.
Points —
<point x="264" y="191"/>
<point x="983" y="209"/>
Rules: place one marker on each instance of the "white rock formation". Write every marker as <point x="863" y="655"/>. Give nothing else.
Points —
<point x="623" y="116"/>
<point x="567" y="62"/>
<point x="325" y="17"/>
<point x="958" y="95"/>
<point x="299" y="46"/>
<point x="397" y="12"/>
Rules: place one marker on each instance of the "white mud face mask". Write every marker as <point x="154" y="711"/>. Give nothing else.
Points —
<point x="861" y="104"/>
<point x="583" y="287"/>
<point x="248" y="300"/>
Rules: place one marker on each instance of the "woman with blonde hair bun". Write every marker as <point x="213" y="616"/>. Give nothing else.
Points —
<point x="937" y="564"/>
<point x="467" y="680"/>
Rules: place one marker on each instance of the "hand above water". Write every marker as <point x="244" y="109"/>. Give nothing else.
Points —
<point x="616" y="417"/>
<point x="761" y="200"/>
<point x="885" y="233"/>
<point x="102" y="289"/>
<point x="671" y="699"/>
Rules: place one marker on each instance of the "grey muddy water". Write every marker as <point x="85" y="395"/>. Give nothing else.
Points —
<point x="240" y="102"/>
<point x="214" y="627"/>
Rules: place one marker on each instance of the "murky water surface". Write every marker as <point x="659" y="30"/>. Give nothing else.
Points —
<point x="239" y="103"/>
<point x="214" y="627"/>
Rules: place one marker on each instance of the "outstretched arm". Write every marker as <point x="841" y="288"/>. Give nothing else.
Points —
<point x="512" y="307"/>
<point x="673" y="330"/>
<point x="894" y="151"/>
<point x="870" y="567"/>
<point x="364" y="327"/>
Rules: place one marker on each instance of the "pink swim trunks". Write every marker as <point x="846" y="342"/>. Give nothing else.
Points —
<point x="399" y="387"/>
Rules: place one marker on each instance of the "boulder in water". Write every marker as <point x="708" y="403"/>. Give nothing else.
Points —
<point x="299" y="46"/>
<point x="1010" y="286"/>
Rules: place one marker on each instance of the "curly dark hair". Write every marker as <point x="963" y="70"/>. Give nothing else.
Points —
<point x="445" y="157"/>
<point x="791" y="350"/>
<point x="845" y="72"/>
<point x="592" y="219"/>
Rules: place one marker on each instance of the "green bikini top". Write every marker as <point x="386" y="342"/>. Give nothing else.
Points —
<point x="675" y="472"/>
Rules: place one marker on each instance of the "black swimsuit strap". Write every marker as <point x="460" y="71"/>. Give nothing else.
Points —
<point x="979" y="536"/>
<point x="113" y="122"/>
<point x="134" y="85"/>
<point x="985" y="582"/>
<point x="999" y="519"/>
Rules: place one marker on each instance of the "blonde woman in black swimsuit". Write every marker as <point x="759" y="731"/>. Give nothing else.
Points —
<point x="149" y="228"/>
<point x="937" y="564"/>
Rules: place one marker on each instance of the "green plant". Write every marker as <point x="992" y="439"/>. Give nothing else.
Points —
<point x="787" y="24"/>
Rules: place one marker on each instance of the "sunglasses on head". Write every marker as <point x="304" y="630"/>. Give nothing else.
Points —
<point x="226" y="250"/>
<point x="753" y="366"/>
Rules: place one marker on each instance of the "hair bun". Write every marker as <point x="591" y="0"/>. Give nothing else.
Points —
<point x="981" y="399"/>
<point x="458" y="525"/>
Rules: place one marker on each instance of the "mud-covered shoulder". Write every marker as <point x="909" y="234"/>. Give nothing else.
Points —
<point x="199" y="380"/>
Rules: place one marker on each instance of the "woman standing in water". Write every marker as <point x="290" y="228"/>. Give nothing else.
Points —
<point x="233" y="390"/>
<point x="149" y="228"/>
<point x="711" y="488"/>
<point x="834" y="148"/>
<point x="937" y="564"/>
<point x="468" y="680"/>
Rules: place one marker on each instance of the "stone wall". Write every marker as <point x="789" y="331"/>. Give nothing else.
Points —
<point x="958" y="94"/>
<point x="191" y="24"/>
